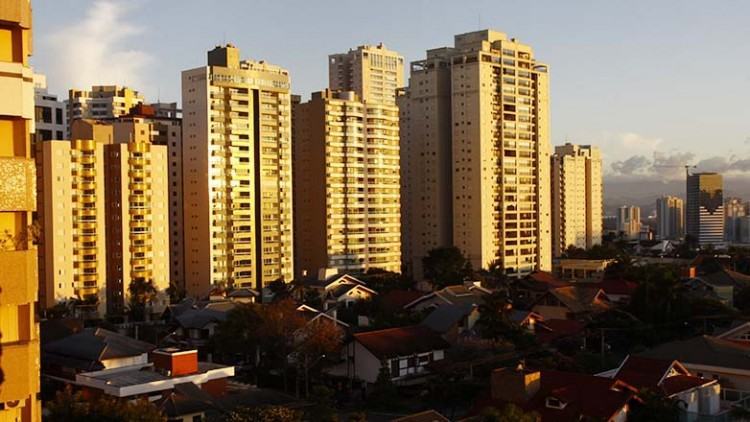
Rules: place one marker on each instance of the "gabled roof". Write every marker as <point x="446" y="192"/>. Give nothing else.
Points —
<point x="520" y="316"/>
<point x="343" y="289"/>
<point x="346" y="278"/>
<point x="185" y="399"/>
<point x="704" y="350"/>
<point x="88" y="348"/>
<point x="311" y="314"/>
<point x="395" y="300"/>
<point x="581" y="298"/>
<point x="443" y="318"/>
<point x="244" y="292"/>
<point x="402" y="341"/>
<point x="618" y="287"/>
<point x="642" y="372"/>
<point x="199" y="318"/>
<point x="454" y="295"/>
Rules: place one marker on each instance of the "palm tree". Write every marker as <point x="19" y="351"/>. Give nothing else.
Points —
<point x="141" y="292"/>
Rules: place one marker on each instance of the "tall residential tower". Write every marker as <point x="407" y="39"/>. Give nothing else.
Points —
<point x="475" y="140"/>
<point x="576" y="197"/>
<point x="670" y="217"/>
<point x="374" y="73"/>
<point x="237" y="173"/>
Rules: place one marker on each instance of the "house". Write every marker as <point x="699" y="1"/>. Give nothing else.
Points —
<point x="311" y="314"/>
<point x="617" y="290"/>
<point x="558" y="396"/>
<point x="723" y="285"/>
<point x="572" y="302"/>
<point x="535" y="285"/>
<point x="196" y="326"/>
<point x="187" y="403"/>
<point x="99" y="361"/>
<point x="466" y="294"/>
<point x="581" y="269"/>
<point x="405" y="352"/>
<point x="342" y="289"/>
<point x="698" y="396"/>
<point x="452" y="321"/>
<point x="243" y="295"/>
<point x="738" y="332"/>
<point x="525" y="319"/>
<point x="709" y="357"/>
<point x="552" y="331"/>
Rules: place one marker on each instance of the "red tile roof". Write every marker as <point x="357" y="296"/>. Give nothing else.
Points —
<point x="558" y="328"/>
<point x="403" y="341"/>
<point x="547" y="278"/>
<point x="645" y="372"/>
<point x="618" y="287"/>
<point x="395" y="300"/>
<point x="679" y="383"/>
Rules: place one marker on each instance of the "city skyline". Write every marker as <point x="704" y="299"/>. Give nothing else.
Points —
<point x="648" y="126"/>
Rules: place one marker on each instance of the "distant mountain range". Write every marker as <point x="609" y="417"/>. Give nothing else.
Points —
<point x="643" y="193"/>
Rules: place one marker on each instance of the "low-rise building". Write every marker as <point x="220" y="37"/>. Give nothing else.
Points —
<point x="472" y="294"/>
<point x="405" y="352"/>
<point x="581" y="269"/>
<point x="572" y="302"/>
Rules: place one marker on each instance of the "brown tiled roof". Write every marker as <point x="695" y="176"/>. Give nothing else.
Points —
<point x="618" y="287"/>
<point x="547" y="278"/>
<point x="642" y="372"/>
<point x="403" y="341"/>
<point x="395" y="300"/>
<point x="579" y="298"/>
<point x="558" y="328"/>
<point x="679" y="383"/>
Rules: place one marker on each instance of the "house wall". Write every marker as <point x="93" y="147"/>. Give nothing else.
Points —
<point x="728" y="379"/>
<point x="126" y="361"/>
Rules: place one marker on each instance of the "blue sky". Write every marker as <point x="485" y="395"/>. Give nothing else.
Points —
<point x="649" y="82"/>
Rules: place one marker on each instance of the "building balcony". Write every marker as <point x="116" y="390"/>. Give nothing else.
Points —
<point x="18" y="190"/>
<point x="20" y="284"/>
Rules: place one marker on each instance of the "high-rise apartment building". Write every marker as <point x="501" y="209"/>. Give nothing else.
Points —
<point x="101" y="102"/>
<point x="50" y="114"/>
<point x="104" y="215"/>
<point x="629" y="221"/>
<point x="670" y="218"/>
<point x="237" y="173"/>
<point x="705" y="208"/>
<point x="166" y="128"/>
<point x="734" y="210"/>
<point x="374" y="73"/>
<point x="475" y="137"/>
<point x="576" y="197"/>
<point x="19" y="343"/>
<point x="346" y="182"/>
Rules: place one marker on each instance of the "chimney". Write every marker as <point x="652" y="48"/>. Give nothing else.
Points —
<point x="175" y="362"/>
<point x="515" y="385"/>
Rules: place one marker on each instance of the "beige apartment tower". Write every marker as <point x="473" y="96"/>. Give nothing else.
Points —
<point x="475" y="134"/>
<point x="237" y="173"/>
<point x="374" y="73"/>
<point x="576" y="197"/>
<point x="19" y="343"/>
<point x="670" y="216"/>
<point x="101" y="102"/>
<point x="346" y="181"/>
<point x="104" y="215"/>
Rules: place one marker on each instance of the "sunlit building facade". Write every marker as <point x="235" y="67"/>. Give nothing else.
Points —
<point x="19" y="343"/>
<point x="475" y="137"/>
<point x="101" y="102"/>
<point x="104" y="215"/>
<point x="576" y="197"/>
<point x="670" y="217"/>
<point x="374" y="73"/>
<point x="237" y="173"/>
<point x="346" y="181"/>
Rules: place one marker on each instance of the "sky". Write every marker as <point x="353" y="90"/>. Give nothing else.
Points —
<point x="654" y="84"/>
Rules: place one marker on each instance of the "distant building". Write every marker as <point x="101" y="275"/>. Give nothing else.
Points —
<point x="374" y="73"/>
<point x="629" y="221"/>
<point x="670" y="218"/>
<point x="734" y="210"/>
<point x="576" y="197"/>
<point x="705" y="208"/>
<point x="101" y="102"/>
<point x="50" y="114"/>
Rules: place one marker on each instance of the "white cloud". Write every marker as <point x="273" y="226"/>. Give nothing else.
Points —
<point x="93" y="51"/>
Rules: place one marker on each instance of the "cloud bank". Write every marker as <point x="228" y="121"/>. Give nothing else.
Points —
<point x="92" y="51"/>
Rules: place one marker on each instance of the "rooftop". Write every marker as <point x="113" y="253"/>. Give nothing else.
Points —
<point x="403" y="341"/>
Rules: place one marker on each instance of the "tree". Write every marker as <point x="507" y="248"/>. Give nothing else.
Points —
<point x="311" y="297"/>
<point x="176" y="293"/>
<point x="280" y="290"/>
<point x="141" y="293"/>
<point x="69" y="406"/>
<point x="445" y="266"/>
<point x="315" y="341"/>
<point x="655" y="406"/>
<point x="239" y="333"/>
<point x="264" y="414"/>
<point x="277" y="334"/>
<point x="508" y="413"/>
